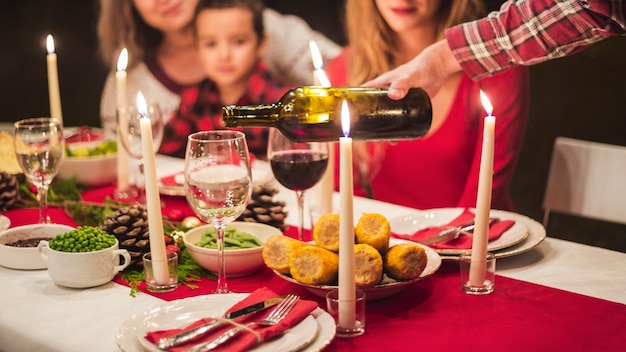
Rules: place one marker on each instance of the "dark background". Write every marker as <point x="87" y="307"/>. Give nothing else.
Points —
<point x="582" y="96"/>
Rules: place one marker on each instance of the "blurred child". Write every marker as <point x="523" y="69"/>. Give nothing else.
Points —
<point x="230" y="42"/>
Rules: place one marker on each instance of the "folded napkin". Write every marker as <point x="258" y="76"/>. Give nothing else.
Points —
<point x="244" y="340"/>
<point x="463" y="242"/>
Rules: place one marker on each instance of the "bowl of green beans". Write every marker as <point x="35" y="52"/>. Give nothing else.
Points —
<point x="243" y="247"/>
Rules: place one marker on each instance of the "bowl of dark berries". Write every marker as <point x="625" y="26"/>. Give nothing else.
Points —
<point x="18" y="245"/>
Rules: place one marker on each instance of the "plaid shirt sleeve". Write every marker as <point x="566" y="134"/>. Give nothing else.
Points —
<point x="526" y="32"/>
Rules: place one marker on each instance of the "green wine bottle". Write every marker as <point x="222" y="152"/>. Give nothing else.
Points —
<point x="313" y="114"/>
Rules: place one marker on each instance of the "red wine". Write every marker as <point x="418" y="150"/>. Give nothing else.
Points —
<point x="299" y="169"/>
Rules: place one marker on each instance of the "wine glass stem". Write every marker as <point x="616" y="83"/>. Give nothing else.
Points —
<point x="221" y="273"/>
<point x="42" y="196"/>
<point x="300" y="200"/>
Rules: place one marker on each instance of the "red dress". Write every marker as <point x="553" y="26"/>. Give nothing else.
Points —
<point x="442" y="169"/>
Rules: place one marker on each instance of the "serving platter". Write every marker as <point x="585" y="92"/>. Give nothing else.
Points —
<point x="387" y="287"/>
<point x="312" y="334"/>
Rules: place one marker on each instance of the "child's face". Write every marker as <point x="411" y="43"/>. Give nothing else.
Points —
<point x="227" y="44"/>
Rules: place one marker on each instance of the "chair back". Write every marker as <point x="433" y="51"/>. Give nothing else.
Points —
<point x="586" y="179"/>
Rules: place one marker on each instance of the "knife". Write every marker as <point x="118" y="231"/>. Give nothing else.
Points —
<point x="454" y="232"/>
<point x="190" y="335"/>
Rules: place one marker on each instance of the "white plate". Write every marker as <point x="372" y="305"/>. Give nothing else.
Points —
<point x="5" y="223"/>
<point x="312" y="334"/>
<point x="388" y="287"/>
<point x="412" y="223"/>
<point x="261" y="174"/>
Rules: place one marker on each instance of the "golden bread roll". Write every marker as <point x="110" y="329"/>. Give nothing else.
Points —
<point x="373" y="229"/>
<point x="277" y="250"/>
<point x="314" y="265"/>
<point x="326" y="232"/>
<point x="368" y="265"/>
<point x="405" y="261"/>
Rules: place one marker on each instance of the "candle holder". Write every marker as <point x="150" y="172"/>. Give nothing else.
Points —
<point x="483" y="282"/>
<point x="334" y="307"/>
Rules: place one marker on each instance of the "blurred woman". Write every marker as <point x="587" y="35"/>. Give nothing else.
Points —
<point x="163" y="59"/>
<point x="441" y="169"/>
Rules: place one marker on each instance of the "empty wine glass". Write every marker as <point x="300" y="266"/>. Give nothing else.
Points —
<point x="218" y="183"/>
<point x="297" y="166"/>
<point x="39" y="145"/>
<point x="129" y="129"/>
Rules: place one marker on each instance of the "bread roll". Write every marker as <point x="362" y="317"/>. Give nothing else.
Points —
<point x="314" y="265"/>
<point x="373" y="229"/>
<point x="326" y="232"/>
<point x="277" y="250"/>
<point x="368" y="265"/>
<point x="405" y="261"/>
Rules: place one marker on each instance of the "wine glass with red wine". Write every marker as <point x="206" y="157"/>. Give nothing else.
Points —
<point x="297" y="166"/>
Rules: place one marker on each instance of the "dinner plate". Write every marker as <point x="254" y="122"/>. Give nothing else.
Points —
<point x="412" y="223"/>
<point x="172" y="184"/>
<point x="312" y="334"/>
<point x="4" y="223"/>
<point x="387" y="287"/>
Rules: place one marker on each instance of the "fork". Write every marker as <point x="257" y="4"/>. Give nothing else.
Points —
<point x="275" y="316"/>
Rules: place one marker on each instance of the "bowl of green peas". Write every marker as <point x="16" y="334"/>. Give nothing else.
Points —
<point x="243" y="246"/>
<point x="83" y="257"/>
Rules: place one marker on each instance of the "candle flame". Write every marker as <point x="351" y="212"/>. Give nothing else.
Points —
<point x="122" y="60"/>
<point x="318" y="64"/>
<point x="142" y="107"/>
<point x="345" y="119"/>
<point x="486" y="103"/>
<point x="50" y="44"/>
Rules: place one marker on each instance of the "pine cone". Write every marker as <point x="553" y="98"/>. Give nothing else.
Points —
<point x="9" y="190"/>
<point x="130" y="226"/>
<point x="263" y="209"/>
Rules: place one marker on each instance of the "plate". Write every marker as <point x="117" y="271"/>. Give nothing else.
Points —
<point x="436" y="217"/>
<point x="388" y="286"/>
<point x="536" y="234"/>
<point x="172" y="184"/>
<point x="4" y="223"/>
<point x="312" y="334"/>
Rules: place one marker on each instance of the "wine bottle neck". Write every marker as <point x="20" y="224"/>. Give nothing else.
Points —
<point x="251" y="115"/>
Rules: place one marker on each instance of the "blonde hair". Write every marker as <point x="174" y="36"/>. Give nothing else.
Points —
<point x="372" y="42"/>
<point x="121" y="26"/>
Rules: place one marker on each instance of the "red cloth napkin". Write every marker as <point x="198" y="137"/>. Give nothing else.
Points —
<point x="463" y="242"/>
<point x="245" y="339"/>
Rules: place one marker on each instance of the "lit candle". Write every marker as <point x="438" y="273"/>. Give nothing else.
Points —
<point x="483" y="202"/>
<point x="324" y="189"/>
<point x="347" y="288"/>
<point x="122" y="155"/>
<point x="153" y="201"/>
<point x="54" y="94"/>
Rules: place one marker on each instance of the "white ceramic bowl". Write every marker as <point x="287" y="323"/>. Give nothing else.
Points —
<point x="27" y="258"/>
<point x="96" y="170"/>
<point x="238" y="262"/>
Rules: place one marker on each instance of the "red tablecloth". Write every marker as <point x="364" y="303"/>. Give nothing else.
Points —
<point x="434" y="314"/>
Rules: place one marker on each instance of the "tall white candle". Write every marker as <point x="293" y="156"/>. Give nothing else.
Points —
<point x="153" y="200"/>
<point x="483" y="201"/>
<point x="54" y="95"/>
<point x="122" y="154"/>
<point x="325" y="188"/>
<point x="347" y="288"/>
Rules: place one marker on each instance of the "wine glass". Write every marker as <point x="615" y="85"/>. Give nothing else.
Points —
<point x="297" y="166"/>
<point x="129" y="130"/>
<point x="218" y="183"/>
<point x="39" y="145"/>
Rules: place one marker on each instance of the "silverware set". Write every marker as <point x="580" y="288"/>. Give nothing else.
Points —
<point x="277" y="314"/>
<point x="454" y="232"/>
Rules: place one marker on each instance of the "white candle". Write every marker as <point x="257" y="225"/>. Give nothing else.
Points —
<point x="483" y="201"/>
<point x="347" y="288"/>
<point x="325" y="188"/>
<point x="153" y="201"/>
<point x="122" y="155"/>
<point x="54" y="94"/>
